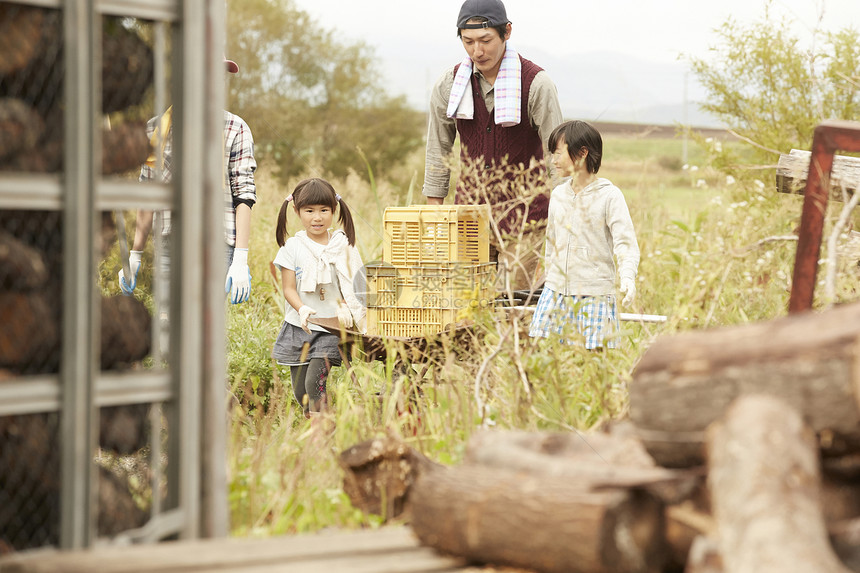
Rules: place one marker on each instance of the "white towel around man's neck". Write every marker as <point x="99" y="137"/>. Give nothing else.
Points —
<point x="507" y="88"/>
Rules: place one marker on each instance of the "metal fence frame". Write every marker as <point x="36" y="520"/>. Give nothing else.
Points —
<point x="192" y="389"/>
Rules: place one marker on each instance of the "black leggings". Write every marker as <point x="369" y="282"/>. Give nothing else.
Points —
<point x="309" y="384"/>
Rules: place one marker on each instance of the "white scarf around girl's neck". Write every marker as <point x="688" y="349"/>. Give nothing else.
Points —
<point x="347" y="263"/>
<point x="319" y="272"/>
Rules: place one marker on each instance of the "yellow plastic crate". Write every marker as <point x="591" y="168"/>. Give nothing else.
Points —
<point x="426" y="234"/>
<point x="443" y="285"/>
<point x="421" y="300"/>
<point x="409" y="322"/>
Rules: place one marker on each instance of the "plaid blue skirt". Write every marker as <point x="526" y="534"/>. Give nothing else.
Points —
<point x="588" y="320"/>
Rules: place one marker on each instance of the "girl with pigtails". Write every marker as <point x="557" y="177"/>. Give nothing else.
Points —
<point x="318" y="269"/>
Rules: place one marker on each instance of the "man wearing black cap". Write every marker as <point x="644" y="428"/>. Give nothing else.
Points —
<point x="504" y="108"/>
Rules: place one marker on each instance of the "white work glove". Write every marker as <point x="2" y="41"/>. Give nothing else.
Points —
<point x="239" y="277"/>
<point x="133" y="267"/>
<point x="628" y="288"/>
<point x="344" y="316"/>
<point x="304" y="313"/>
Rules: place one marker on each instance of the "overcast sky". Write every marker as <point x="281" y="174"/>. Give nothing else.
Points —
<point x="657" y="30"/>
<point x="416" y="41"/>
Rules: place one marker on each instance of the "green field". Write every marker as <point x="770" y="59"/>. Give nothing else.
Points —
<point x="707" y="261"/>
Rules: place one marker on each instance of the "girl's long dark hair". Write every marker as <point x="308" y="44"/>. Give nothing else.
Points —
<point x="315" y="191"/>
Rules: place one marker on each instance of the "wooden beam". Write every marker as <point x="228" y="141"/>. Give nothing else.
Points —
<point x="793" y="167"/>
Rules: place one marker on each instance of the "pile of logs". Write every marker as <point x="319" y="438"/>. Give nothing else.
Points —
<point x="31" y="295"/>
<point x="31" y="91"/>
<point x="31" y="268"/>
<point x="741" y="454"/>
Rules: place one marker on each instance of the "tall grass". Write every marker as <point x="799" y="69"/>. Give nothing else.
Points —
<point x="712" y="254"/>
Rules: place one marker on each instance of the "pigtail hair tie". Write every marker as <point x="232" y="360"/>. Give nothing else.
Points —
<point x="289" y="198"/>
<point x="337" y="197"/>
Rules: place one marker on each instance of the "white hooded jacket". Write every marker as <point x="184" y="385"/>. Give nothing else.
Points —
<point x="586" y="232"/>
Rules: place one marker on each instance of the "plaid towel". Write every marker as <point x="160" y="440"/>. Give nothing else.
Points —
<point x="508" y="91"/>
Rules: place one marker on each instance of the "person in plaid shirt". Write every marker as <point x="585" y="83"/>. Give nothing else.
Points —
<point x="239" y="197"/>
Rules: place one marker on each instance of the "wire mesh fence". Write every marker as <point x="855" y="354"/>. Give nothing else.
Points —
<point x="35" y="266"/>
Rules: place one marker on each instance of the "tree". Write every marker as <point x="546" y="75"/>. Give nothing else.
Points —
<point x="313" y="99"/>
<point x="772" y="91"/>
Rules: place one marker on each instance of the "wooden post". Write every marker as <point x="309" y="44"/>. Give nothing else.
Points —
<point x="829" y="137"/>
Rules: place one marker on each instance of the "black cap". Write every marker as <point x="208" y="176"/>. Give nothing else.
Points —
<point x="492" y="10"/>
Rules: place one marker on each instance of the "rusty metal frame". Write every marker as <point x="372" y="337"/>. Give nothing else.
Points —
<point x="829" y="137"/>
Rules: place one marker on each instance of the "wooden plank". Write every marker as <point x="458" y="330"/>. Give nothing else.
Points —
<point x="393" y="549"/>
<point x="792" y="169"/>
<point x="413" y="561"/>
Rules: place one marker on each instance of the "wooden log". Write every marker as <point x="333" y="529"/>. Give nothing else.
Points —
<point x="486" y="447"/>
<point x="30" y="337"/>
<point x="21" y="126"/>
<point x="686" y="381"/>
<point x="125" y="331"/>
<point x="845" y="539"/>
<point x="117" y="509"/>
<point x="29" y="481"/>
<point x="127" y="67"/>
<point x="29" y="340"/>
<point x="125" y="148"/>
<point x="580" y="457"/>
<point x="704" y="556"/>
<point x="616" y="458"/>
<point x="21" y="35"/>
<point x="685" y="523"/>
<point x="379" y="473"/>
<point x="840" y="499"/>
<point x="765" y="488"/>
<point x="30" y="485"/>
<point x="383" y="470"/>
<point x="22" y="268"/>
<point x="545" y="523"/>
<point x="792" y="169"/>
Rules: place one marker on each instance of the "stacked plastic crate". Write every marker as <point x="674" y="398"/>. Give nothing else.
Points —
<point x="435" y="269"/>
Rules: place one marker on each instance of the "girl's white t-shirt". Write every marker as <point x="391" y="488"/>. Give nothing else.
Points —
<point x="289" y="257"/>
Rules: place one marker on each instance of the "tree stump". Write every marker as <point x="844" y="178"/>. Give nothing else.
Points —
<point x="379" y="473"/>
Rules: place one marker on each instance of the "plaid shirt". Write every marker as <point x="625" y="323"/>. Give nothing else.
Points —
<point x="239" y="163"/>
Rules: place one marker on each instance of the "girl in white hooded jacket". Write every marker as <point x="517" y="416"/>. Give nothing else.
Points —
<point x="588" y="229"/>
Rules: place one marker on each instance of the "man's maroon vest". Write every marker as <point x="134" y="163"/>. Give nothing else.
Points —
<point x="486" y="143"/>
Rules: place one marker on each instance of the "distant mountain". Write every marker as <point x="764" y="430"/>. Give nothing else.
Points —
<point x="609" y="86"/>
<point x="605" y="86"/>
